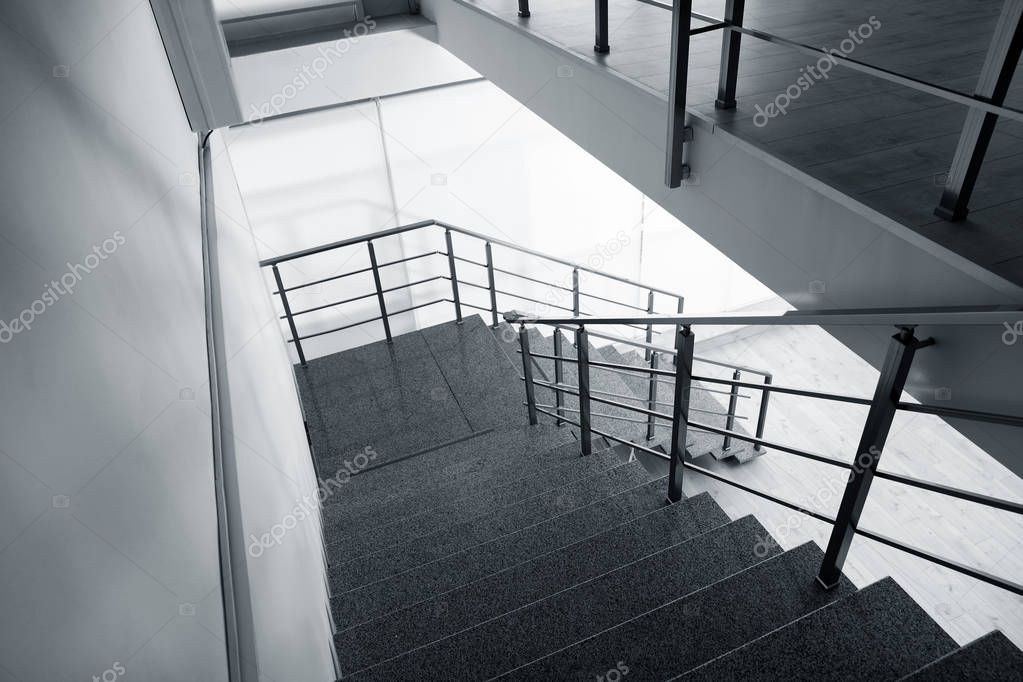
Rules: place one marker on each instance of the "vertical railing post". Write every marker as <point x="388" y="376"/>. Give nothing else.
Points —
<point x="380" y="290"/>
<point x="762" y="416"/>
<point x="890" y="384"/>
<point x="490" y="282"/>
<point x="675" y="168"/>
<point x="524" y="9"/>
<point x="575" y="292"/>
<point x="527" y="373"/>
<point x="582" y="344"/>
<point x="453" y="275"/>
<point x="651" y="401"/>
<point x="647" y="353"/>
<point x="559" y="375"/>
<point x="287" y="314"/>
<point x="733" y="401"/>
<point x="730" y="43"/>
<point x="600" y="44"/>
<point x="681" y="306"/>
<point x="684" y="344"/>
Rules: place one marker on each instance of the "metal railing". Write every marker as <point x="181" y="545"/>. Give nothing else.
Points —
<point x="883" y="405"/>
<point x="496" y="295"/>
<point x="986" y="104"/>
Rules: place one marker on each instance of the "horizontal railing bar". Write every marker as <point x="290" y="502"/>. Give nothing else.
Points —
<point x="532" y="279"/>
<point x="941" y="561"/>
<point x="346" y="242"/>
<point x="601" y="414"/>
<point x="390" y="313"/>
<point x="337" y="329"/>
<point x="552" y="259"/>
<point x="427" y="223"/>
<point x="359" y="271"/>
<point x="787" y="390"/>
<point x="956" y="413"/>
<point x="659" y="349"/>
<point x="893" y="317"/>
<point x="977" y="498"/>
<point x="869" y="69"/>
<point x="759" y="493"/>
<point x="329" y="305"/>
<point x="470" y="305"/>
<point x="877" y="537"/>
<point x="824" y="459"/>
<point x="707" y="29"/>
<point x="369" y="295"/>
<point x="608" y="300"/>
<point x="470" y="261"/>
<point x="520" y="296"/>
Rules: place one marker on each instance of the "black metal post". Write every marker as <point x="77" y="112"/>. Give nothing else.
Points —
<point x="527" y="372"/>
<point x="730" y="43"/>
<point x="893" y="377"/>
<point x="651" y="400"/>
<point x="762" y="417"/>
<point x="600" y="44"/>
<point x="582" y="344"/>
<point x="684" y="344"/>
<point x="380" y="290"/>
<point x="559" y="375"/>
<point x="287" y="314"/>
<point x="733" y="400"/>
<point x="454" y="276"/>
<point x="490" y="281"/>
<point x="650" y="327"/>
<point x="681" y="305"/>
<point x="524" y="8"/>
<point x="575" y="292"/>
<point x="676" y="170"/>
<point x="995" y="79"/>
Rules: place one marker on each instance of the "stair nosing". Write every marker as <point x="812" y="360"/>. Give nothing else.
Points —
<point x="589" y="580"/>
<point x="644" y="614"/>
<point x="506" y="535"/>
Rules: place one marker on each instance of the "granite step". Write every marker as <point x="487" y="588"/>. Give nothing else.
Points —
<point x="991" y="657"/>
<point x="579" y="592"/>
<point x="423" y="582"/>
<point x="689" y="631"/>
<point x="457" y="509"/>
<point x="878" y="633"/>
<point x="500" y="521"/>
<point x="382" y="494"/>
<point x="509" y="588"/>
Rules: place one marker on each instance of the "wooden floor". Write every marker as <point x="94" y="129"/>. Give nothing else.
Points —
<point x="882" y="143"/>
<point x="920" y="446"/>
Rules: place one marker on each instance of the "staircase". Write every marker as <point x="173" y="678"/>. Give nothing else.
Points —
<point x="466" y="545"/>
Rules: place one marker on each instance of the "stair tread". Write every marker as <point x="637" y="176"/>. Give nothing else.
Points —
<point x="692" y="630"/>
<point x="877" y="633"/>
<point x="457" y="508"/>
<point x="523" y="584"/>
<point x="500" y="521"/>
<point x="583" y="610"/>
<point x="371" y="601"/>
<point x="991" y="657"/>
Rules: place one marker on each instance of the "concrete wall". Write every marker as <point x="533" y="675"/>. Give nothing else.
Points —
<point x="108" y="546"/>
<point x="792" y="233"/>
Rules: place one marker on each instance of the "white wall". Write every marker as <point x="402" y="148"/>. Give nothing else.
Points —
<point x="108" y="546"/>
<point x="104" y="399"/>
<point x="287" y="580"/>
